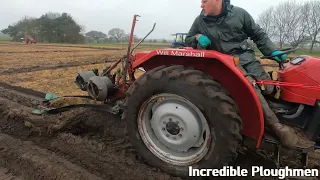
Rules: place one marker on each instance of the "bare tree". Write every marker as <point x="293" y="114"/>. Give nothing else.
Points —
<point x="126" y="38"/>
<point x="96" y="35"/>
<point x="292" y="22"/>
<point x="279" y="19"/>
<point x="117" y="34"/>
<point x="266" y="23"/>
<point x="312" y="14"/>
<point x="295" y="28"/>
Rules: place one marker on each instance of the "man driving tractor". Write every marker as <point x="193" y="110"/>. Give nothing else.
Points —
<point x="226" y="28"/>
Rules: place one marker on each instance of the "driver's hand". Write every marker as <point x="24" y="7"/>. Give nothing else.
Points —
<point x="283" y="57"/>
<point x="203" y="40"/>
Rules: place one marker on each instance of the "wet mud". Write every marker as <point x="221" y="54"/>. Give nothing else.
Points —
<point x="78" y="144"/>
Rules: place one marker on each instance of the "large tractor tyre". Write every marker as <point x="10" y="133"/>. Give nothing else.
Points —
<point x="178" y="117"/>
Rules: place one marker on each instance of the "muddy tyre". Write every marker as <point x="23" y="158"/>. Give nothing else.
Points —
<point x="178" y="117"/>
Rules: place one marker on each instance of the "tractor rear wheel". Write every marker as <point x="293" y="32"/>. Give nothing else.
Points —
<point x="178" y="117"/>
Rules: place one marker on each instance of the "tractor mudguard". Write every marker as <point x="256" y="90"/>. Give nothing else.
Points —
<point x="224" y="70"/>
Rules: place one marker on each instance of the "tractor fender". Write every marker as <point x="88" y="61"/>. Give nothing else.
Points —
<point x="223" y="69"/>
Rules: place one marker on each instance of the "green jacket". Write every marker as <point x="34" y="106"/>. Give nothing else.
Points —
<point x="229" y="33"/>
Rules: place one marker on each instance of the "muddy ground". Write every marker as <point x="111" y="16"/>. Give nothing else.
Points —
<point x="79" y="144"/>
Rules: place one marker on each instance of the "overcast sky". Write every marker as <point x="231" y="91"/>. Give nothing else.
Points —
<point x="171" y="16"/>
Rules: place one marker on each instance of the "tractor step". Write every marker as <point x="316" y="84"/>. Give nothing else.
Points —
<point x="270" y="138"/>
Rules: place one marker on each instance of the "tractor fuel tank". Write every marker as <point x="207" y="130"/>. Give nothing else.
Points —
<point x="304" y="70"/>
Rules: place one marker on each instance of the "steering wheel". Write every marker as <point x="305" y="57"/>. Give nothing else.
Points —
<point x="284" y="51"/>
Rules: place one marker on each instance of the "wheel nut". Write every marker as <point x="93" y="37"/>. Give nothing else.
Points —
<point x="170" y="119"/>
<point x="174" y="138"/>
<point x="163" y="129"/>
<point x="180" y="135"/>
<point x="181" y="129"/>
<point x="167" y="135"/>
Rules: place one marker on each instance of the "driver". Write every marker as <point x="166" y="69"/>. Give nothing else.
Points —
<point x="229" y="27"/>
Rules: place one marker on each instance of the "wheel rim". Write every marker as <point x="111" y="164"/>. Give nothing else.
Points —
<point x="174" y="129"/>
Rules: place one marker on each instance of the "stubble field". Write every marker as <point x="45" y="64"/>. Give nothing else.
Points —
<point x="79" y="144"/>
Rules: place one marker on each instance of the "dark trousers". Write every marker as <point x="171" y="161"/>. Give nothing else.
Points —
<point x="254" y="67"/>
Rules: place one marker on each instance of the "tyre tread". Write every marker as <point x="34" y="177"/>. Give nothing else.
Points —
<point x="213" y="90"/>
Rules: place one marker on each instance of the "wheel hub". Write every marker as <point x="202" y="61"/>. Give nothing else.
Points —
<point x="174" y="129"/>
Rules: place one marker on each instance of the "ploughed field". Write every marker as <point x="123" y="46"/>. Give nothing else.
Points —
<point x="78" y="144"/>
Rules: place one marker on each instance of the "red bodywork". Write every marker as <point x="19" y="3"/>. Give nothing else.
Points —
<point x="223" y="69"/>
<point x="307" y="74"/>
<point x="299" y="83"/>
<point x="28" y="38"/>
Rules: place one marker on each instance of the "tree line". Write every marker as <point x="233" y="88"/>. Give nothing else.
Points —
<point x="60" y="28"/>
<point x="115" y="35"/>
<point x="50" y="27"/>
<point x="293" y="23"/>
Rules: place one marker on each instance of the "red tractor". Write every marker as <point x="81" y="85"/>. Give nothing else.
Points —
<point x="28" y="39"/>
<point x="196" y="107"/>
